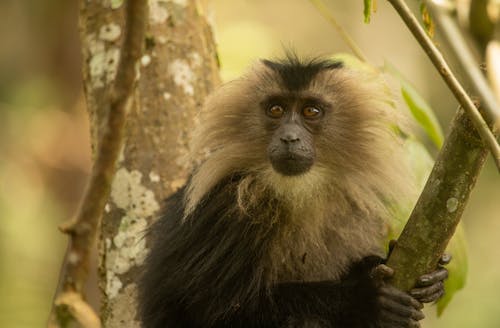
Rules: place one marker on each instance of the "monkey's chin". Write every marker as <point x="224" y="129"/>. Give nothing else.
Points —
<point x="292" y="165"/>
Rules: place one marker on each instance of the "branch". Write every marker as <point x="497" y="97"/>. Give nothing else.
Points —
<point x="480" y="24"/>
<point x="440" y="206"/>
<point x="82" y="230"/>
<point x="474" y="77"/>
<point x="493" y="66"/>
<point x="443" y="68"/>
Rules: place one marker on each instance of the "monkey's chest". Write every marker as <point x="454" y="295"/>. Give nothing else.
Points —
<point x="327" y="256"/>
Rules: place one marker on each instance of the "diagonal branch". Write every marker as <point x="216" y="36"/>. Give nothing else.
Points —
<point x="82" y="230"/>
<point x="440" y="205"/>
<point x="450" y="32"/>
<point x="450" y="79"/>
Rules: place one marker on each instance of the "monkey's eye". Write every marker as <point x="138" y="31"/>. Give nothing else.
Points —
<point x="311" y="112"/>
<point x="275" y="111"/>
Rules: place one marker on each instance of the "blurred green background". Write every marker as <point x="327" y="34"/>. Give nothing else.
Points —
<point x="44" y="138"/>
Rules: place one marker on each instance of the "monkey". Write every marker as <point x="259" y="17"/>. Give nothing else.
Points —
<point x="282" y="223"/>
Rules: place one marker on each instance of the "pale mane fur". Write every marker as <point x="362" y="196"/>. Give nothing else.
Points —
<point x="359" y="168"/>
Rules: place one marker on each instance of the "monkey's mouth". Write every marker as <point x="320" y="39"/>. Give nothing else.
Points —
<point x="291" y="163"/>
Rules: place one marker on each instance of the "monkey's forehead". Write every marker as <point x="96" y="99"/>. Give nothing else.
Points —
<point x="296" y="74"/>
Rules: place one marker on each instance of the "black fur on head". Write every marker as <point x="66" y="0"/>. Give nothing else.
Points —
<point x="296" y="73"/>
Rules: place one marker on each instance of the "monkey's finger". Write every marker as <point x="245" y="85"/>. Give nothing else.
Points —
<point x="432" y="278"/>
<point x="426" y="292"/>
<point x="432" y="298"/>
<point x="445" y="259"/>
<point x="400" y="297"/>
<point x="399" y="309"/>
<point x="381" y="272"/>
<point x="389" y="319"/>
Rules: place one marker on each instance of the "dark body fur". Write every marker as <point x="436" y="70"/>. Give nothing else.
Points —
<point x="242" y="245"/>
<point x="210" y="284"/>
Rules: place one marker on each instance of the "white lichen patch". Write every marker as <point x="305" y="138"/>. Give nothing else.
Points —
<point x="111" y="63"/>
<point x="110" y="32"/>
<point x="182" y="3"/>
<point x="103" y="62"/>
<point x="113" y="285"/>
<point x="154" y="177"/>
<point x="95" y="46"/>
<point x="195" y="59"/>
<point x="182" y="75"/>
<point x="145" y="60"/>
<point x="73" y="258"/>
<point x="129" y="246"/>
<point x="113" y="4"/>
<point x="107" y="243"/>
<point x="158" y="13"/>
<point x="137" y="70"/>
<point x="452" y="204"/>
<point x="129" y="194"/>
<point x="162" y="39"/>
<point x="167" y="96"/>
<point x="123" y="309"/>
<point x="96" y="69"/>
<point x="128" y="249"/>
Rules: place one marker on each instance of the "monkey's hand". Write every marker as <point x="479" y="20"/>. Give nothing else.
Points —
<point x="430" y="287"/>
<point x="396" y="309"/>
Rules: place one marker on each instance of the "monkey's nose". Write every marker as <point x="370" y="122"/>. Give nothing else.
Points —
<point x="289" y="138"/>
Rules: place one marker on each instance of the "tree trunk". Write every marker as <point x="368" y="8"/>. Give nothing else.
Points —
<point x="178" y="70"/>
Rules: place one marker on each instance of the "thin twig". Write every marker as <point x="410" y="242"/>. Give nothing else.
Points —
<point x="493" y="66"/>
<point x="82" y="230"/>
<point x="445" y="71"/>
<point x="343" y="34"/>
<point x="450" y="32"/>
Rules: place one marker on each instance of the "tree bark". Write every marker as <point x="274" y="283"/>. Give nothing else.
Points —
<point x="439" y="208"/>
<point x="179" y="69"/>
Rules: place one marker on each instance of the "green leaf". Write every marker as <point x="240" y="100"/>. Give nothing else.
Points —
<point x="423" y="113"/>
<point x="421" y="164"/>
<point x="367" y="10"/>
<point x="419" y="108"/>
<point x="369" y="7"/>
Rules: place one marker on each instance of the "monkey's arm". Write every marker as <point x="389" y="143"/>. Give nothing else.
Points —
<point x="351" y="302"/>
<point x="361" y="299"/>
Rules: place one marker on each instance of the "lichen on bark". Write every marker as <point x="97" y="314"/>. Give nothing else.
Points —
<point x="161" y="116"/>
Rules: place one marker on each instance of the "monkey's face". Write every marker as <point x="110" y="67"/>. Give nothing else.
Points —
<point x="311" y="122"/>
<point x="292" y="121"/>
